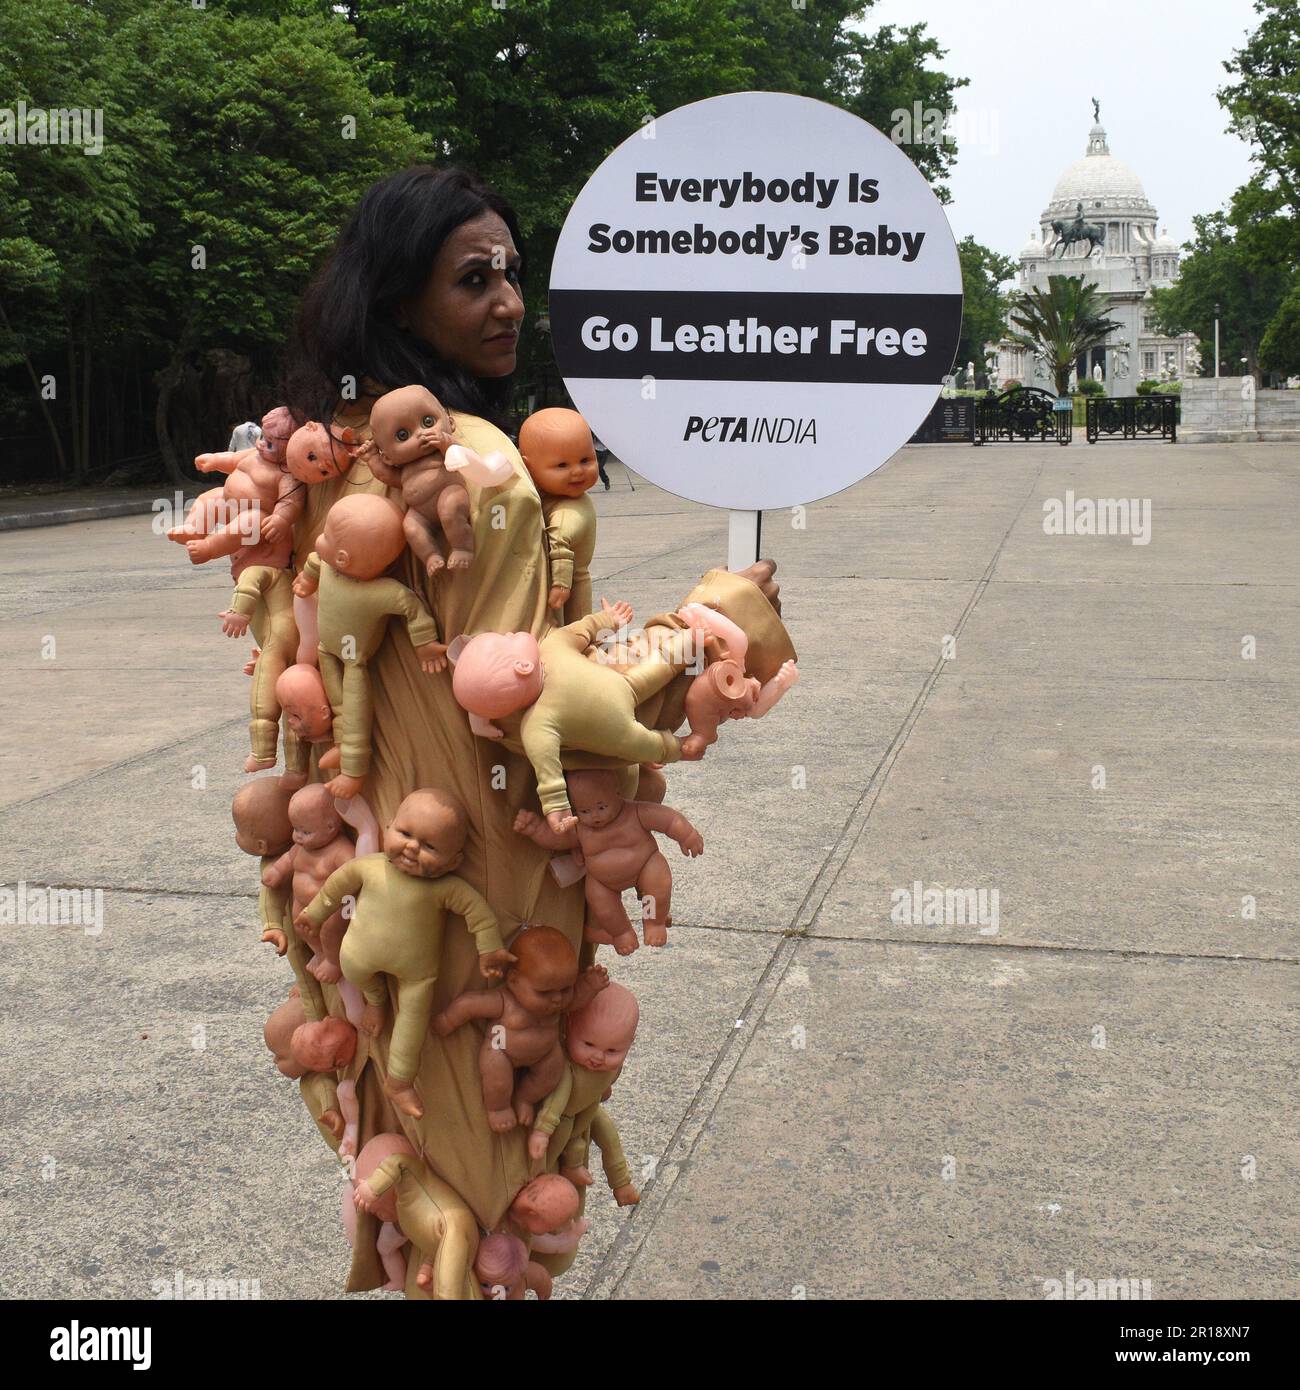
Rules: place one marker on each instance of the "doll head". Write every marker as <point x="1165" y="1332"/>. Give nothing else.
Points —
<point x="497" y="673"/>
<point x="426" y="836"/>
<point x="301" y="694"/>
<point x="600" y="1035"/>
<point x="315" y="454"/>
<point x="278" y="1033"/>
<point x="546" y="1205"/>
<point x="544" y="972"/>
<point x="315" y="819"/>
<point x="500" y="1264"/>
<point x="277" y="427"/>
<point x="408" y="424"/>
<point x="382" y="1146"/>
<point x="557" y="450"/>
<point x="362" y="536"/>
<point x="323" y="1046"/>
<point x="260" y="811"/>
<point x="596" y="797"/>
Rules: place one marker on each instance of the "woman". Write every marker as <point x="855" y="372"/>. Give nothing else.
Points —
<point x="424" y="286"/>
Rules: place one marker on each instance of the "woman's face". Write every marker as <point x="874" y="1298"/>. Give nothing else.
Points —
<point x="471" y="305"/>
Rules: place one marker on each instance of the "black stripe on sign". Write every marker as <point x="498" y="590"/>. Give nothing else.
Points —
<point x="745" y="352"/>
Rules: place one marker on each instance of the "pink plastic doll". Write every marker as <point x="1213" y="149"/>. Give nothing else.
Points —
<point x="521" y="1059"/>
<point x="616" y="840"/>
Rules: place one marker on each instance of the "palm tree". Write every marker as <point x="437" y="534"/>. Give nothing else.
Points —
<point x="1061" y="323"/>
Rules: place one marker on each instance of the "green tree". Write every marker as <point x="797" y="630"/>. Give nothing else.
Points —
<point x="1264" y="101"/>
<point x="984" y="305"/>
<point x="1238" y="260"/>
<point x="535" y="96"/>
<point x="1061" y="322"/>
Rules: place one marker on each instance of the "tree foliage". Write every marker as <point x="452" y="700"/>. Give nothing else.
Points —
<point x="984" y="305"/>
<point x="1061" y="322"/>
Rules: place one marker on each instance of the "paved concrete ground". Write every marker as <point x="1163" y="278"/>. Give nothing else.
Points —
<point x="827" y="1100"/>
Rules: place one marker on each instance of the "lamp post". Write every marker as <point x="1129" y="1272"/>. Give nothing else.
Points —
<point x="1216" y="340"/>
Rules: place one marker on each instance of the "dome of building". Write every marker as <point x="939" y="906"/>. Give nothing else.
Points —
<point x="1033" y="249"/>
<point x="1097" y="180"/>
<point x="1164" y="244"/>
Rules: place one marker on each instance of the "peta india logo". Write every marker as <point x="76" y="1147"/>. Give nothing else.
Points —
<point x="1102" y="516"/>
<point x="750" y="429"/>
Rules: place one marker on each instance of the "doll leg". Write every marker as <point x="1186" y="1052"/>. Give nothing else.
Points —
<point x="497" y="1073"/>
<point x="609" y="923"/>
<point x="325" y="963"/>
<point x="352" y="725"/>
<point x="537" y="1083"/>
<point x="654" y="886"/>
<point x="279" y="641"/>
<point x="388" y="1245"/>
<point x="201" y="518"/>
<point x="454" y="1237"/>
<point x="410" y="1024"/>
<point x="453" y="512"/>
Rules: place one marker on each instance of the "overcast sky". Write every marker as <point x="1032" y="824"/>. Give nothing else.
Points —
<point x="1026" y="114"/>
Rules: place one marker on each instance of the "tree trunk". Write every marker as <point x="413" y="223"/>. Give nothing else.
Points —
<point x="51" y="423"/>
<point x="168" y="379"/>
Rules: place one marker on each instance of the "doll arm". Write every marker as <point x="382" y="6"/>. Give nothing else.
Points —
<point x="482" y="925"/>
<point x="356" y="812"/>
<point x="277" y="874"/>
<point x="559" y="544"/>
<point x="219" y="463"/>
<point x="347" y="1094"/>
<point x="369" y="453"/>
<point x="406" y="604"/>
<point x="666" y="821"/>
<point x="308" y="581"/>
<point x="597" y="625"/>
<point x="541" y="741"/>
<point x="476" y="1003"/>
<point x="531" y="824"/>
<point x="538" y="1278"/>
<point x="770" y="693"/>
<point x="604" y="1134"/>
<point x="548" y="1118"/>
<point x="347" y="880"/>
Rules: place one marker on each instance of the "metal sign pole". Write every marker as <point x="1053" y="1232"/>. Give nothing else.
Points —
<point x="744" y="530"/>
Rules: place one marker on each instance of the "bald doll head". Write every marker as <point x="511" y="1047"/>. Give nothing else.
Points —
<point x="426" y="836"/>
<point x="596" y="797"/>
<point x="362" y="536"/>
<point x="323" y="1046"/>
<point x="544" y="972"/>
<point x="315" y="818"/>
<point x="557" y="450"/>
<point x="600" y="1035"/>
<point x="260" y="811"/>
<point x="548" y="1203"/>
<point x="301" y="695"/>
<point x="278" y="1033"/>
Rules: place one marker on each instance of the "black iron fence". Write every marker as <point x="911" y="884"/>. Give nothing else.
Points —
<point x="1133" y="417"/>
<point x="1025" y="413"/>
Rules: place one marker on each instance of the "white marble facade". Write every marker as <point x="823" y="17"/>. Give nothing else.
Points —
<point x="1133" y="260"/>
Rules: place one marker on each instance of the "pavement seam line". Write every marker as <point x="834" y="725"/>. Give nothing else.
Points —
<point x="614" y="1268"/>
<point x="117" y="767"/>
<point x="856" y="823"/>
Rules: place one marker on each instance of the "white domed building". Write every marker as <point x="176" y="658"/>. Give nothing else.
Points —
<point x="1125" y="258"/>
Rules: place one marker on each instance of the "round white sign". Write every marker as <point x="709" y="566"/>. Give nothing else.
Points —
<point x="755" y="299"/>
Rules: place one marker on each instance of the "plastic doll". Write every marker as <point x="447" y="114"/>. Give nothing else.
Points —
<point x="258" y="504"/>
<point x="330" y="1045"/>
<point x="362" y="537"/>
<point x="568" y="702"/>
<point x="316" y="454"/>
<point x="263" y="597"/>
<point x="722" y="690"/>
<point x="504" y="1271"/>
<point x="546" y="1211"/>
<point x="410" y="449"/>
<point x="319" y="847"/>
<point x="390" y="1240"/>
<point x="300" y="693"/>
<point x="557" y="449"/>
<point x="616" y="839"/>
<point x="278" y="1032"/>
<point x="597" y="1040"/>
<point x="430" y="1214"/>
<point x="540" y="986"/>
<point x="402" y="899"/>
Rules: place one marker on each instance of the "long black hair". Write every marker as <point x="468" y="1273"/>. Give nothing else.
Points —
<point x="347" y="322"/>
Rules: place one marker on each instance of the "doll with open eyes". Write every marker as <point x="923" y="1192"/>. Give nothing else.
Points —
<point x="412" y="449"/>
